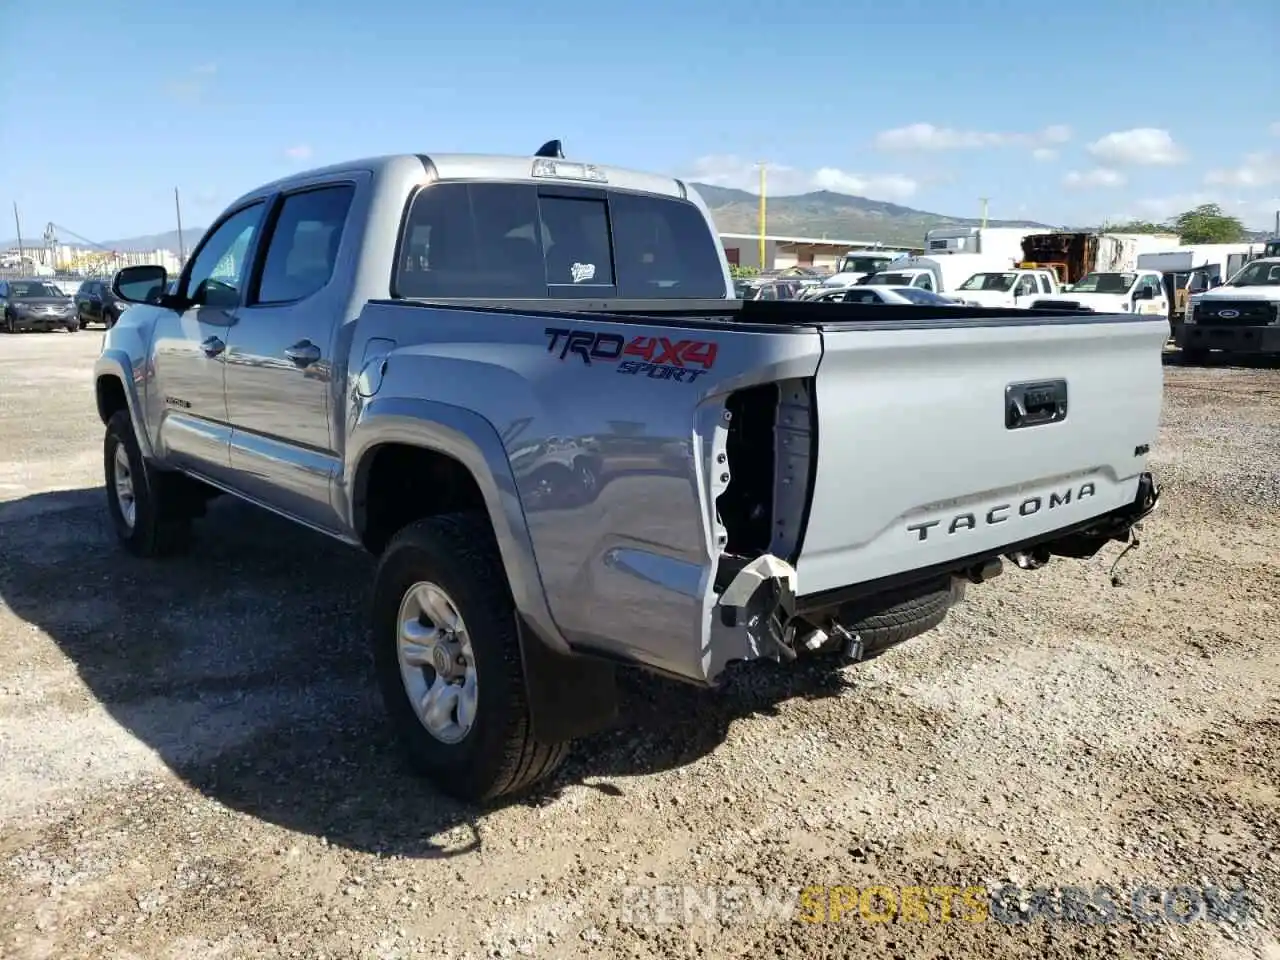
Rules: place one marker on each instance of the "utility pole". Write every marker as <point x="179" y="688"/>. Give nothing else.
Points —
<point x="177" y="206"/>
<point x="984" y="211"/>
<point x="763" y="166"/>
<point x="17" y="223"/>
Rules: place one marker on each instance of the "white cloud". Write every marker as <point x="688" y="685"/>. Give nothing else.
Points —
<point x="1044" y="154"/>
<point x="743" y="174"/>
<point x="927" y="137"/>
<point x="1141" y="146"/>
<point x="1257" y="170"/>
<point x="300" y="152"/>
<point x="1097" y="177"/>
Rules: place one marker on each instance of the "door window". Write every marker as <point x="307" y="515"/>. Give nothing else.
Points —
<point x="303" y="247"/>
<point x="924" y="281"/>
<point x="1026" y="286"/>
<point x="217" y="274"/>
<point x="1044" y="283"/>
<point x="862" y="296"/>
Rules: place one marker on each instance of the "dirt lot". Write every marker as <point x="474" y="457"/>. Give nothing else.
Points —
<point x="194" y="762"/>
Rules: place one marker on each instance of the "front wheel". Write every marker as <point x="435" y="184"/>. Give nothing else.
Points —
<point x="447" y="657"/>
<point x="150" y="516"/>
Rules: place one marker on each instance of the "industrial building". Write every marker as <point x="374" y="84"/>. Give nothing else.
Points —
<point x="743" y="250"/>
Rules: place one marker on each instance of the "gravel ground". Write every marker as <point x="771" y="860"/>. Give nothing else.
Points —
<point x="194" y="761"/>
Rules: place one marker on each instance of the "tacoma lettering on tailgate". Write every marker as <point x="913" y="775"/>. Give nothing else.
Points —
<point x="1005" y="511"/>
<point x="659" y="358"/>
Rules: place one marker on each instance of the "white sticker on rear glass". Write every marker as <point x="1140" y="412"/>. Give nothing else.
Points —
<point x="582" y="271"/>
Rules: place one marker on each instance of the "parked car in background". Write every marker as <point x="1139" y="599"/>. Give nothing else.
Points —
<point x="895" y="295"/>
<point x="767" y="288"/>
<point x="95" y="303"/>
<point x="35" y="305"/>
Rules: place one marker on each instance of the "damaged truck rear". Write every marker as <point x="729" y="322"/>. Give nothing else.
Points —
<point x="524" y="385"/>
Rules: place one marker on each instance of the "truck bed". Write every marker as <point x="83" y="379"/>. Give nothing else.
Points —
<point x="801" y="314"/>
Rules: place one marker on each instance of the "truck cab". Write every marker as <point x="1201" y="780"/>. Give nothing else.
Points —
<point x="941" y="274"/>
<point x="1007" y="288"/>
<point x="854" y="266"/>
<point x="1130" y="291"/>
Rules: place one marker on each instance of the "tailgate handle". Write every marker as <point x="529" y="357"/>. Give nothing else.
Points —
<point x="1033" y="404"/>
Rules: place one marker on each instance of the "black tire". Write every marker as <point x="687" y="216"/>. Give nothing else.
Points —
<point x="1193" y="355"/>
<point x="498" y="756"/>
<point x="73" y="326"/>
<point x="162" y="524"/>
<point x="887" y="621"/>
<point x="10" y="325"/>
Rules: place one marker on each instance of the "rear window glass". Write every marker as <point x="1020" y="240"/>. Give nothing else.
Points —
<point x="507" y="240"/>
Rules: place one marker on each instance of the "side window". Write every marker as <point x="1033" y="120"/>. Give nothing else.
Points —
<point x="303" y="247"/>
<point x="1026" y="285"/>
<point x="924" y="281"/>
<point x="217" y="275"/>
<point x="862" y="296"/>
<point x="1044" y="283"/>
<point x="575" y="235"/>
<point x="472" y="240"/>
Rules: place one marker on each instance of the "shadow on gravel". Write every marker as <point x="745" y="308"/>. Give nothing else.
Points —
<point x="1238" y="361"/>
<point x="243" y="665"/>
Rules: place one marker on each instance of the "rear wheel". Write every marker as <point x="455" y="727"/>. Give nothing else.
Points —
<point x="447" y="656"/>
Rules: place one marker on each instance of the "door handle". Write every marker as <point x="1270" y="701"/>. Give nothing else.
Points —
<point x="303" y="353"/>
<point x="212" y="347"/>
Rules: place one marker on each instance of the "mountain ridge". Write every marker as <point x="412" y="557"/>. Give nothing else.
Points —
<point x="818" y="213"/>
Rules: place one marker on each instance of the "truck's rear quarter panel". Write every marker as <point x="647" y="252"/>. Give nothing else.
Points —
<point x="607" y="449"/>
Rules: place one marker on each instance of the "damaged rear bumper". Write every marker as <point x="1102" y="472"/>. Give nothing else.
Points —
<point x="759" y="613"/>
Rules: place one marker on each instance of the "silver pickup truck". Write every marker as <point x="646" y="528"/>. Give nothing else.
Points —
<point x="523" y="383"/>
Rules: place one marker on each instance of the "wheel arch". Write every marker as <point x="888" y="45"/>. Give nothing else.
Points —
<point x="454" y="443"/>
<point x="115" y="389"/>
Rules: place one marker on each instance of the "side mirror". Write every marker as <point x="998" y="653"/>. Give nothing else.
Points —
<point x="144" y="284"/>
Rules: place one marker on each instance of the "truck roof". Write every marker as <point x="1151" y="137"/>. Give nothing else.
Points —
<point x="479" y="166"/>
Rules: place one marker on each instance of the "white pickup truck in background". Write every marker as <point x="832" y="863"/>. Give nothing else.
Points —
<point x="1240" y="316"/>
<point x="1017" y="288"/>
<point x="1138" y="291"/>
<point x="940" y="274"/>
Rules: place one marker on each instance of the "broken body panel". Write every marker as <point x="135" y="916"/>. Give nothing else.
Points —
<point x="750" y="476"/>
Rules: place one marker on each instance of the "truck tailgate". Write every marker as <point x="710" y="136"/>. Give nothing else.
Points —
<point x="920" y="461"/>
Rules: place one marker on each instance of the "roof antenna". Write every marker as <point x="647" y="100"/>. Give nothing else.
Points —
<point x="552" y="148"/>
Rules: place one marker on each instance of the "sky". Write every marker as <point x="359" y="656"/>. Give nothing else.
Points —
<point x="1072" y="112"/>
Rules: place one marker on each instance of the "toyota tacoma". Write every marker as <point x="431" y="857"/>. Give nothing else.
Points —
<point x="524" y="385"/>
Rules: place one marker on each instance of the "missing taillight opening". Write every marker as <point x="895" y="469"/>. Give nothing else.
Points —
<point x="746" y="506"/>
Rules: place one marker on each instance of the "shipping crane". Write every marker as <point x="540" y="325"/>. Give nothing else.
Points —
<point x="100" y="261"/>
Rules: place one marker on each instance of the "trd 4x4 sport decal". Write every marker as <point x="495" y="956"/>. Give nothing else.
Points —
<point x="659" y="358"/>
